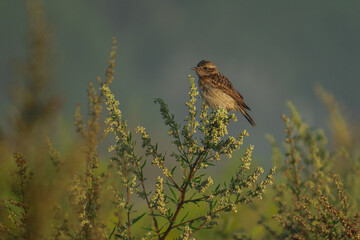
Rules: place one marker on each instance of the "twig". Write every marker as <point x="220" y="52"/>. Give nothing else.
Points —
<point x="128" y="198"/>
<point x="141" y="176"/>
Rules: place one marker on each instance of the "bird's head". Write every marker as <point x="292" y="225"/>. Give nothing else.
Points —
<point x="205" y="68"/>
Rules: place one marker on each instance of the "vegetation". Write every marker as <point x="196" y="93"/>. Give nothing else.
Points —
<point x="138" y="192"/>
<point x="310" y="198"/>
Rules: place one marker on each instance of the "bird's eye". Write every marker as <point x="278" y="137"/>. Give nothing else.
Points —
<point x="205" y="68"/>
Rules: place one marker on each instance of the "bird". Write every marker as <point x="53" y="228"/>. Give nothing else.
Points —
<point x="217" y="90"/>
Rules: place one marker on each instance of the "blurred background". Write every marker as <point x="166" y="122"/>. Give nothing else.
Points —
<point x="272" y="51"/>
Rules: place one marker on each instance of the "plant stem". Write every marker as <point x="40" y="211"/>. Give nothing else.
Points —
<point x="141" y="176"/>
<point x="182" y="196"/>
<point x="128" y="198"/>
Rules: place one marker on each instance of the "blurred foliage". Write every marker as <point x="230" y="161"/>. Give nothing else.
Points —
<point x="74" y="194"/>
<point x="311" y="199"/>
<point x="35" y="106"/>
<point x="315" y="193"/>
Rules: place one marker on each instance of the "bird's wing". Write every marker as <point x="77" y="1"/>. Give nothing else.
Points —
<point x="222" y="83"/>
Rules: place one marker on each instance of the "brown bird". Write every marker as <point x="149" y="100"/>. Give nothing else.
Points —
<point x="218" y="91"/>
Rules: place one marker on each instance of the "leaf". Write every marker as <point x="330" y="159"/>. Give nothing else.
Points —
<point x="198" y="178"/>
<point x="184" y="159"/>
<point x="130" y="207"/>
<point x="192" y="195"/>
<point x="112" y="232"/>
<point x="192" y="159"/>
<point x="148" y="229"/>
<point x="137" y="218"/>
<point x="191" y="225"/>
<point x="172" y="170"/>
<point x="171" y="190"/>
<point x="184" y="217"/>
<point x="142" y="166"/>
<point x="211" y="206"/>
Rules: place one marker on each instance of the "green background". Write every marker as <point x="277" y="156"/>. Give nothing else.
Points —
<point x="272" y="51"/>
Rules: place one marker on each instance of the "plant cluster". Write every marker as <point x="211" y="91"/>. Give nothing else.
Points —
<point x="167" y="206"/>
<point x="199" y="143"/>
<point x="310" y="198"/>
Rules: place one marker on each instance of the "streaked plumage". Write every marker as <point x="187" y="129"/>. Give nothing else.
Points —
<point x="218" y="91"/>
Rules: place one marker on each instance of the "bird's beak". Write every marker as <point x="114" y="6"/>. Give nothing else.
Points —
<point x="194" y="68"/>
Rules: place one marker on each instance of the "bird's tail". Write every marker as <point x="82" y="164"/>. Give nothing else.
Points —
<point x="247" y="116"/>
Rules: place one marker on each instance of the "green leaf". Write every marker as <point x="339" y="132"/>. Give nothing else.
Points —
<point x="137" y="218"/>
<point x="171" y="190"/>
<point x="172" y="170"/>
<point x="184" y="217"/>
<point x="112" y="232"/>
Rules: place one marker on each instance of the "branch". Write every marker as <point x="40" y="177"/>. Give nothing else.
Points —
<point x="141" y="176"/>
<point x="182" y="196"/>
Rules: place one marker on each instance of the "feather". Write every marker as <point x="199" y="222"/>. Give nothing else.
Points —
<point x="217" y="90"/>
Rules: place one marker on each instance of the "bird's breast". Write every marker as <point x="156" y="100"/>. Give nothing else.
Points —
<point x="216" y="98"/>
